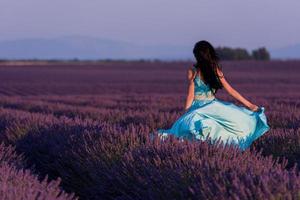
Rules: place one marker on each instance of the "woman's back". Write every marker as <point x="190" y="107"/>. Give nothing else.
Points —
<point x="202" y="91"/>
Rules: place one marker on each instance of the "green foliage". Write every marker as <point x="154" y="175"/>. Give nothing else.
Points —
<point x="261" y="54"/>
<point x="227" y="53"/>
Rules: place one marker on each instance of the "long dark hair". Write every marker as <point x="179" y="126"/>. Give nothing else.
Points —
<point x="208" y="62"/>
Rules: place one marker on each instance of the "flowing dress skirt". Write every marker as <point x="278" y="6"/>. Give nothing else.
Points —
<point x="219" y="119"/>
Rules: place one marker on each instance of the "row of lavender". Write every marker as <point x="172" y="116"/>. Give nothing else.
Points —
<point x="249" y="77"/>
<point x="18" y="183"/>
<point x="100" y="147"/>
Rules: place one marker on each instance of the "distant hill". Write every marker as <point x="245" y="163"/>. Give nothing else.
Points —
<point x="288" y="52"/>
<point x="82" y="47"/>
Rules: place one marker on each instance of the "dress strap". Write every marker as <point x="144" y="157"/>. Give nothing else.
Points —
<point x="195" y="71"/>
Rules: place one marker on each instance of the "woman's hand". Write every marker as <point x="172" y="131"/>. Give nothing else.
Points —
<point x="253" y="107"/>
<point x="186" y="109"/>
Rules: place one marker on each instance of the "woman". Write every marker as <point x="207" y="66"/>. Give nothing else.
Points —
<point x="208" y="117"/>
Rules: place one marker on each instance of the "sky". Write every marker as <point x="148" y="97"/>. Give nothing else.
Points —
<point x="235" y="23"/>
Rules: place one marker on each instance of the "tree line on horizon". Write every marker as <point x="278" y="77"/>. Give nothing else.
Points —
<point x="224" y="53"/>
<point x="228" y="53"/>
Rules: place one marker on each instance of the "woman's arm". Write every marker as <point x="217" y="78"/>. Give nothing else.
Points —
<point x="235" y="93"/>
<point x="190" y="95"/>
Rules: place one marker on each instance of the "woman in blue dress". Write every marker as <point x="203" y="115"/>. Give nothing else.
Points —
<point x="208" y="117"/>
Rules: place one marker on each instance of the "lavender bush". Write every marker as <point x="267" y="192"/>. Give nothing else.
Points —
<point x="17" y="183"/>
<point x="179" y="170"/>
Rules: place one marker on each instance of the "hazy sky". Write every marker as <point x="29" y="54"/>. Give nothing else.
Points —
<point x="245" y="23"/>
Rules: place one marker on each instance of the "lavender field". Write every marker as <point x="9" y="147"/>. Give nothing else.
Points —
<point x="81" y="131"/>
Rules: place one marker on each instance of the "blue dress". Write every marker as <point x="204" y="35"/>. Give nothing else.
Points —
<point x="217" y="119"/>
